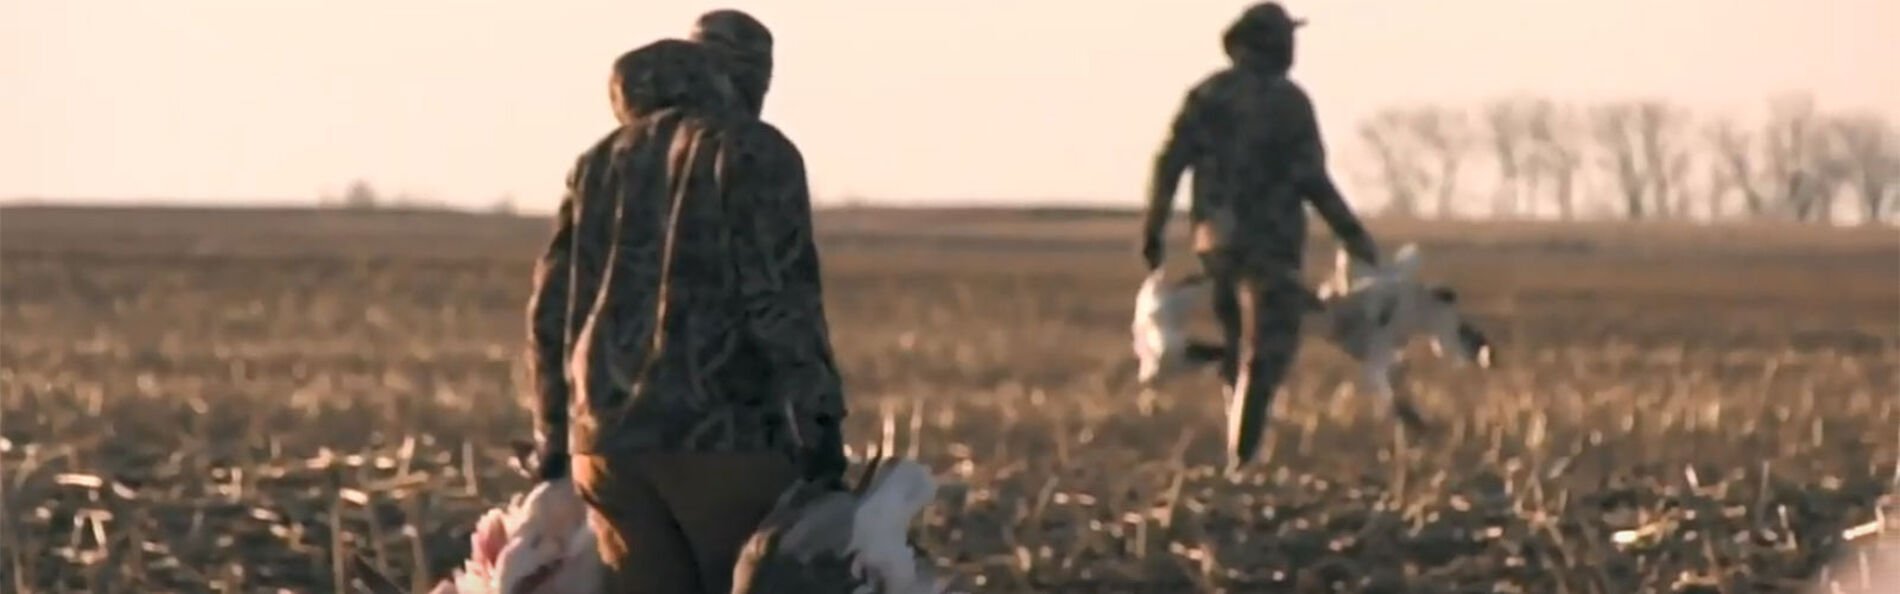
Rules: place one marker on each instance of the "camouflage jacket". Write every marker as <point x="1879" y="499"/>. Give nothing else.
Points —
<point x="1251" y="137"/>
<point x="681" y="295"/>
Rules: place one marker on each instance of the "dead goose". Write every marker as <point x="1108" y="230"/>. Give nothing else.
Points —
<point x="1162" y="347"/>
<point x="1370" y="313"/>
<point x="817" y="539"/>
<point x="824" y="538"/>
<point x="539" y="543"/>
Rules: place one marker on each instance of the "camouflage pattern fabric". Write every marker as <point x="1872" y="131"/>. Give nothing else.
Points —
<point x="680" y="292"/>
<point x="1250" y="135"/>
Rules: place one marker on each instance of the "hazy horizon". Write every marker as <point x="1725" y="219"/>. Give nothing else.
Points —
<point x="1057" y="102"/>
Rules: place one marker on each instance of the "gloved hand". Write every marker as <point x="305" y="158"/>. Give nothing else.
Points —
<point x="1153" y="251"/>
<point x="551" y="466"/>
<point x="825" y="462"/>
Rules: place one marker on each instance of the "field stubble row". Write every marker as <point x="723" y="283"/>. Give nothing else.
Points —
<point x="190" y="407"/>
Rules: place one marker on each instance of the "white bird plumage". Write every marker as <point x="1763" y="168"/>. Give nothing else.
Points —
<point x="1372" y="313"/>
<point x="539" y="543"/>
<point x="1160" y="325"/>
<point x="819" y="539"/>
<point x="878" y="527"/>
<point x="1369" y="312"/>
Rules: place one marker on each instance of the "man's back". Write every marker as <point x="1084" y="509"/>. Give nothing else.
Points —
<point x="679" y="300"/>
<point x="672" y="356"/>
<point x="1250" y="136"/>
<point x="1249" y="130"/>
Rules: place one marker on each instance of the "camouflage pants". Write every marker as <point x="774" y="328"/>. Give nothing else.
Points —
<point x="1259" y="302"/>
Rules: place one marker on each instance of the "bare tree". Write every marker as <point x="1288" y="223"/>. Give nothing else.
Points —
<point x="1797" y="163"/>
<point x="1505" y="131"/>
<point x="1822" y="185"/>
<point x="1715" y="200"/>
<point x="1388" y="135"/>
<point x="361" y="196"/>
<point x="1869" y="150"/>
<point x="1658" y="128"/>
<point x="504" y="206"/>
<point x="1647" y="155"/>
<point x="1555" y="155"/>
<point x="1737" y="167"/>
<point x="1619" y="146"/>
<point x="1640" y="148"/>
<point x="1442" y="133"/>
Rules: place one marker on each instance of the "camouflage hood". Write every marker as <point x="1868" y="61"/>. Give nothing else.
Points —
<point x="670" y="73"/>
<point x="745" y="44"/>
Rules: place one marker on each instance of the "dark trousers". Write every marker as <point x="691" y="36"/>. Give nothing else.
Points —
<point x="674" y="522"/>
<point x="1259" y="302"/>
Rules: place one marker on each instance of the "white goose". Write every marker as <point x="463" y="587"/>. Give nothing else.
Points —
<point x="1162" y="347"/>
<point x="822" y="539"/>
<point x="1370" y="313"/>
<point x="816" y="540"/>
<point x="538" y="544"/>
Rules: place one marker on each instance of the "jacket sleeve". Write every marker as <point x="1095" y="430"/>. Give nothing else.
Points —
<point x="1309" y="174"/>
<point x="762" y="175"/>
<point x="1186" y="140"/>
<point x="549" y="309"/>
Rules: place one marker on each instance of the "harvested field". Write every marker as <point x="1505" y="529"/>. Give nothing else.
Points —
<point x="260" y="401"/>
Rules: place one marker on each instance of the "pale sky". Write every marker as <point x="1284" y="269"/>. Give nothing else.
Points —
<point x="894" y="100"/>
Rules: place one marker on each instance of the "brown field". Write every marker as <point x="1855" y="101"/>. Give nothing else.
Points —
<point x="201" y="401"/>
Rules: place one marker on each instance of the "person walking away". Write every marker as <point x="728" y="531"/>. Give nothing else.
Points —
<point x="572" y="268"/>
<point x="1250" y="136"/>
<point x="680" y="295"/>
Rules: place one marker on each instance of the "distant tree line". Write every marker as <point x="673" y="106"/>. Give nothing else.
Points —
<point x="1525" y="157"/>
<point x="360" y="195"/>
<point x="1640" y="159"/>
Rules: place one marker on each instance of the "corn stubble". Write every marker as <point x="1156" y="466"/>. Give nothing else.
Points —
<point x="248" y="402"/>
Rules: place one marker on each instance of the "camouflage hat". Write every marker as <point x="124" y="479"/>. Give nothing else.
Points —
<point x="666" y="74"/>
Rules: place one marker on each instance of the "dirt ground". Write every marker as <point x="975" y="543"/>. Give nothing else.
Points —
<point x="258" y="401"/>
